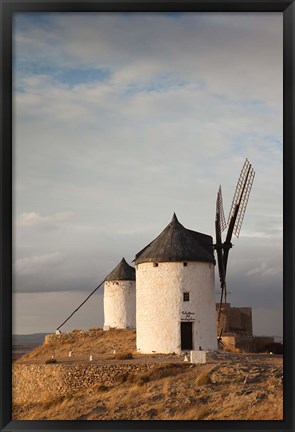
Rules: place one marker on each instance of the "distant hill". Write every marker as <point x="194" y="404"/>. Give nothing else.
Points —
<point x="22" y="344"/>
<point x="35" y="339"/>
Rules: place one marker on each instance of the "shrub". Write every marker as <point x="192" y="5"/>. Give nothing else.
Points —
<point x="203" y="412"/>
<point x="51" y="361"/>
<point x="102" y="388"/>
<point x="152" y="375"/>
<point x="203" y="379"/>
<point x="158" y="373"/>
<point x="123" y="377"/>
<point x="167" y="370"/>
<point x="124" y="356"/>
<point x="140" y="379"/>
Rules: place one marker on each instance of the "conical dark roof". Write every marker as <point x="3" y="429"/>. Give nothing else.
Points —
<point x="176" y="243"/>
<point x="123" y="271"/>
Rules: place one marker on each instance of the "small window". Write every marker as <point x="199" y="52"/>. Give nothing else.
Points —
<point x="155" y="264"/>
<point x="186" y="296"/>
<point x="185" y="264"/>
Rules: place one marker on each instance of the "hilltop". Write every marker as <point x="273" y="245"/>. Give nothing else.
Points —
<point x="127" y="385"/>
<point x="96" y="342"/>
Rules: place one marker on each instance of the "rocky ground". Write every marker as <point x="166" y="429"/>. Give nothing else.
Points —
<point x="230" y="386"/>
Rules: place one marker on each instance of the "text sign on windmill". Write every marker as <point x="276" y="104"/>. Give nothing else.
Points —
<point x="234" y="222"/>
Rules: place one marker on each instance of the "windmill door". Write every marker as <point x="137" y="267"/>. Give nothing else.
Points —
<point x="186" y="335"/>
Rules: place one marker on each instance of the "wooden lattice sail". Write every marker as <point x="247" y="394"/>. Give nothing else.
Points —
<point x="234" y="223"/>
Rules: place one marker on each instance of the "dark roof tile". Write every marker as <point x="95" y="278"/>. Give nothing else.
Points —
<point x="176" y="243"/>
<point x="123" y="271"/>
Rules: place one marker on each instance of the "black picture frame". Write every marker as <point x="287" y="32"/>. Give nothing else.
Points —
<point x="8" y="8"/>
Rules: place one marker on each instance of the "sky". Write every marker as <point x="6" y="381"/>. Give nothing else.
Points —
<point x="121" y="119"/>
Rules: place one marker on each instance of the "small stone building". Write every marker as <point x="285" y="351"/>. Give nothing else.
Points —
<point x="175" y="292"/>
<point x="120" y="297"/>
<point x="234" y="320"/>
<point x="236" y="331"/>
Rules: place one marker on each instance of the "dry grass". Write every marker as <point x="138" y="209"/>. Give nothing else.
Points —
<point x="192" y="413"/>
<point x="169" y="370"/>
<point x="175" y="391"/>
<point x="273" y="411"/>
<point x="166" y="393"/>
<point x="158" y="373"/>
<point x="96" y="342"/>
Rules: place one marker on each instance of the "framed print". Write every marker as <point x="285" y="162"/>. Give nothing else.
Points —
<point x="147" y="234"/>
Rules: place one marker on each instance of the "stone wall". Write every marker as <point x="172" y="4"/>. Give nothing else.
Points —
<point x="240" y="320"/>
<point x="247" y="343"/>
<point x="32" y="383"/>
<point x="260" y="343"/>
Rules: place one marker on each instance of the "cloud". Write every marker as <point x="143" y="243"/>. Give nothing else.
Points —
<point x="34" y="219"/>
<point x="263" y="270"/>
<point x="114" y="130"/>
<point x="86" y="257"/>
<point x="36" y="264"/>
<point x="205" y="43"/>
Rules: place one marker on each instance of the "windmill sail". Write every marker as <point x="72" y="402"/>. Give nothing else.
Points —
<point x="220" y="211"/>
<point x="220" y="225"/>
<point x="234" y="223"/>
<point x="241" y="196"/>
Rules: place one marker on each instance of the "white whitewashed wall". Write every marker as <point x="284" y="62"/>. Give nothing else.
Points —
<point x="160" y="307"/>
<point x="119" y="304"/>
